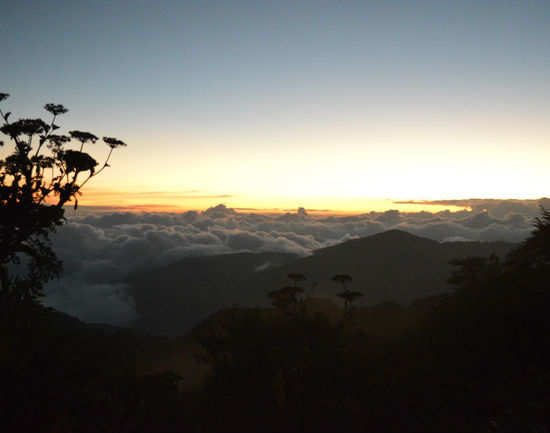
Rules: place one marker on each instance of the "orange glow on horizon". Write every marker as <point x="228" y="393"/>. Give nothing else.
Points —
<point x="159" y="201"/>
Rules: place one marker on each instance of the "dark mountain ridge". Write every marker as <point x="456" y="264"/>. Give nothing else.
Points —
<point x="389" y="266"/>
<point x="173" y="298"/>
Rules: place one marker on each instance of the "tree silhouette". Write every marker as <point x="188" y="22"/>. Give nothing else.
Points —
<point x="474" y="271"/>
<point x="534" y="252"/>
<point x="349" y="296"/>
<point x="37" y="179"/>
<point x="287" y="296"/>
<point x="468" y="271"/>
<point x="343" y="279"/>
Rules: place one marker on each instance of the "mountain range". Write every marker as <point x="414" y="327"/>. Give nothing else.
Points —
<point x="390" y="266"/>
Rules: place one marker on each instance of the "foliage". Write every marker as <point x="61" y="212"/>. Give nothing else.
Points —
<point x="37" y="179"/>
<point x="472" y="271"/>
<point x="349" y="296"/>
<point x="287" y="297"/>
<point x="534" y="252"/>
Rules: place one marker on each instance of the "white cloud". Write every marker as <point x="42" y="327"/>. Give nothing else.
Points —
<point x="99" y="250"/>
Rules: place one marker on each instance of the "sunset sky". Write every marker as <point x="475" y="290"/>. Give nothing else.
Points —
<point x="321" y="104"/>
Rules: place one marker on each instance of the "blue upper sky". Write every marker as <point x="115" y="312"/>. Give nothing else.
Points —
<point x="228" y="89"/>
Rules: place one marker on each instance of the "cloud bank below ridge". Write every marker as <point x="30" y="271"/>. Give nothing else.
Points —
<point x="100" y="249"/>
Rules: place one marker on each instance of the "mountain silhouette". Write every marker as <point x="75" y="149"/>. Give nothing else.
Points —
<point x="389" y="266"/>
<point x="171" y="299"/>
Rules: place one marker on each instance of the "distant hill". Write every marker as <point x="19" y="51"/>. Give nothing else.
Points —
<point x="171" y="299"/>
<point x="390" y="266"/>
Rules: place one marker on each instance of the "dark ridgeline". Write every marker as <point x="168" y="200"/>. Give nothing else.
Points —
<point x="393" y="266"/>
<point x="173" y="299"/>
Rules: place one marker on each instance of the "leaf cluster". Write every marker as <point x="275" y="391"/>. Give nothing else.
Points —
<point x="40" y="175"/>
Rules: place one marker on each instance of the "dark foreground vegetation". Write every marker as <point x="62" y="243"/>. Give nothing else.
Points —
<point x="474" y="360"/>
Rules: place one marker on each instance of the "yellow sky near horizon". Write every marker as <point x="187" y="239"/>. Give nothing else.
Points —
<point x="353" y="170"/>
<point x="158" y="201"/>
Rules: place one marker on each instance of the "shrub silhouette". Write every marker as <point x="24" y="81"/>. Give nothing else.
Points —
<point x="534" y="252"/>
<point x="37" y="179"/>
<point x="343" y="279"/>
<point x="287" y="297"/>
<point x="349" y="296"/>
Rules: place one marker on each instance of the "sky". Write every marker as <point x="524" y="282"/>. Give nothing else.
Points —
<point x="330" y="105"/>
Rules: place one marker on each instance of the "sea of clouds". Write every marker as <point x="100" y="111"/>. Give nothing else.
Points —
<point x="99" y="249"/>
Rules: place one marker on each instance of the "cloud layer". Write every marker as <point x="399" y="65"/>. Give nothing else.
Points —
<point x="99" y="250"/>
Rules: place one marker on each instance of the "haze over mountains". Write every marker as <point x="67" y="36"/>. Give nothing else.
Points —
<point x="390" y="266"/>
<point x="99" y="250"/>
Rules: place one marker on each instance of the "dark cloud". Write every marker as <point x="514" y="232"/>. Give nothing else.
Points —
<point x="96" y="303"/>
<point x="496" y="207"/>
<point x="99" y="250"/>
